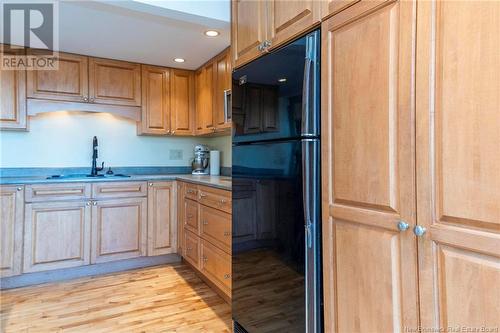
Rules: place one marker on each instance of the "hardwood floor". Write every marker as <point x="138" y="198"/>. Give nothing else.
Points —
<point x="158" y="299"/>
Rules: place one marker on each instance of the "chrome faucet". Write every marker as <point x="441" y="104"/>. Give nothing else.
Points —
<point x="95" y="168"/>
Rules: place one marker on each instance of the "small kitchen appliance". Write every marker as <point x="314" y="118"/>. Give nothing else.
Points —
<point x="201" y="159"/>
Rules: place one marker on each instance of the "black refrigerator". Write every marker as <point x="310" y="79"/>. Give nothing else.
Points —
<point x="276" y="236"/>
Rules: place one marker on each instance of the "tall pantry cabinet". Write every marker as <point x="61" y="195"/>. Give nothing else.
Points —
<point x="411" y="160"/>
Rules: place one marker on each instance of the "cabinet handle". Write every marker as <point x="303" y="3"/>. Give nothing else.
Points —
<point x="202" y="195"/>
<point x="85" y="99"/>
<point x="205" y="222"/>
<point x="227" y="276"/>
<point x="222" y="201"/>
<point x="205" y="259"/>
<point x="227" y="233"/>
<point x="94" y="203"/>
<point x="150" y="184"/>
<point x="19" y="188"/>
<point x="189" y="248"/>
<point x="173" y="132"/>
<point x="403" y="226"/>
<point x="191" y="192"/>
<point x="91" y="100"/>
<point x="88" y="203"/>
<point x="190" y="216"/>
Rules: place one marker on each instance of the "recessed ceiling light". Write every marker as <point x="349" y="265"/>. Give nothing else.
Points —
<point x="211" y="33"/>
<point x="283" y="79"/>
<point x="179" y="60"/>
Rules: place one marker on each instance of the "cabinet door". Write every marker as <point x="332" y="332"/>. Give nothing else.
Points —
<point x="114" y="82"/>
<point x="119" y="229"/>
<point x="216" y="227"/>
<point x="458" y="163"/>
<point x="191" y="215"/>
<point x="216" y="265"/>
<point x="11" y="229"/>
<point x="289" y="19"/>
<point x="56" y="235"/>
<point x="204" y="99"/>
<point x="68" y="83"/>
<point x="249" y="29"/>
<point x="12" y="98"/>
<point x="182" y="103"/>
<point x="162" y="231"/>
<point x="192" y="248"/>
<point x="200" y="103"/>
<point x="222" y="90"/>
<point x="368" y="179"/>
<point x="180" y="217"/>
<point x="335" y="6"/>
<point x="155" y="114"/>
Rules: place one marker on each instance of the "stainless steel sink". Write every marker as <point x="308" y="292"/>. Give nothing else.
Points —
<point x="83" y="176"/>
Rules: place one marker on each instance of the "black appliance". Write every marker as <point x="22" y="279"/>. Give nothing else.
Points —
<point x="276" y="252"/>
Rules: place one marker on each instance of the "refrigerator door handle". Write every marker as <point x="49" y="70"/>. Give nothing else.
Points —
<point x="310" y="124"/>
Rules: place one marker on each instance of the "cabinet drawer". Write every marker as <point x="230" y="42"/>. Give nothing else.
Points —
<point x="191" y="215"/>
<point x="191" y="191"/>
<point x="216" y="227"/>
<point x="57" y="192"/>
<point x="192" y="248"/>
<point x="216" y="265"/>
<point x="119" y="190"/>
<point x="215" y="198"/>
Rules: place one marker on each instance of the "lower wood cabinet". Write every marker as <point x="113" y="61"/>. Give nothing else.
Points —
<point x="215" y="227"/>
<point x="56" y="235"/>
<point x="191" y="215"/>
<point x="161" y="227"/>
<point x="192" y="248"/>
<point x="216" y="265"/>
<point x="11" y="229"/>
<point x="119" y="229"/>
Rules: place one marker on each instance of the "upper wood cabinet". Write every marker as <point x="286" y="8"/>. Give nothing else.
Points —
<point x="334" y="6"/>
<point x="11" y="229"/>
<point x="204" y="99"/>
<point x="155" y="115"/>
<point x="12" y="97"/>
<point x="222" y="91"/>
<point x="68" y="83"/>
<point x="249" y="29"/>
<point x="368" y="175"/>
<point x="114" y="82"/>
<point x="182" y="102"/>
<point x="258" y="26"/>
<point x="56" y="235"/>
<point x="458" y="162"/>
<point x="161" y="218"/>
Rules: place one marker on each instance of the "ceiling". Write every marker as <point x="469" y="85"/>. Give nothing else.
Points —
<point x="145" y="31"/>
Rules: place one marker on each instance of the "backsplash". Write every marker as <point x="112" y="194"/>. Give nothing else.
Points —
<point x="64" y="139"/>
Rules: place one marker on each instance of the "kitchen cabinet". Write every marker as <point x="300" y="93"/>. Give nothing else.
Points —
<point x="12" y="97"/>
<point x="216" y="265"/>
<point x="222" y="91"/>
<point x="335" y="6"/>
<point x="192" y="248"/>
<point x="56" y="235"/>
<point x="191" y="215"/>
<point x="70" y="82"/>
<point x="204" y="100"/>
<point x="119" y="229"/>
<point x="258" y="26"/>
<point x="216" y="227"/>
<point x="155" y="113"/>
<point x="161" y="217"/>
<point x="11" y="229"/>
<point x="367" y="65"/>
<point x="114" y="82"/>
<point x="58" y="192"/>
<point x="182" y="102"/>
<point x="458" y="163"/>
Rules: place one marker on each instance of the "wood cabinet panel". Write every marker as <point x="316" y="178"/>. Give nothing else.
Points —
<point x="216" y="265"/>
<point x="56" y="235"/>
<point x="335" y="6"/>
<point x="191" y="191"/>
<point x="182" y="102"/>
<point x="11" y="229"/>
<point x="162" y="230"/>
<point x="57" y="192"/>
<point x="114" y="190"/>
<point x="181" y="188"/>
<point x="12" y="97"/>
<point x="367" y="84"/>
<point x="70" y="82"/>
<point x="216" y="198"/>
<point x="249" y="29"/>
<point x="192" y="248"/>
<point x="222" y="76"/>
<point x="204" y="106"/>
<point x="457" y="162"/>
<point x="155" y="114"/>
<point x="114" y="82"/>
<point x="191" y="215"/>
<point x="119" y="229"/>
<point x="216" y="227"/>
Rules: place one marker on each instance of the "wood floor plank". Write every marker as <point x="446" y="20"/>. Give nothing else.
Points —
<point x="155" y="299"/>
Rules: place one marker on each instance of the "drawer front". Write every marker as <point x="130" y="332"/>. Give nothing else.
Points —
<point x="216" y="227"/>
<point x="212" y="197"/>
<point x="192" y="248"/>
<point x="216" y="265"/>
<point x="57" y="192"/>
<point x="191" y="215"/>
<point x="119" y="190"/>
<point x="191" y="191"/>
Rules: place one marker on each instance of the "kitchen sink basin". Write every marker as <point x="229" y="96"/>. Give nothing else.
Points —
<point x="80" y="176"/>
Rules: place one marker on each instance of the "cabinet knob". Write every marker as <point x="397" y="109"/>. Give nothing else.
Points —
<point x="189" y="248"/>
<point x="150" y="184"/>
<point x="202" y="195"/>
<point x="222" y="201"/>
<point x="227" y="276"/>
<point x="173" y="132"/>
<point x="205" y="222"/>
<point x="205" y="259"/>
<point x="94" y="203"/>
<point x="91" y="100"/>
<point x="19" y="188"/>
<point x="403" y="226"/>
<point x="190" y="216"/>
<point x="85" y="99"/>
<point x="227" y="233"/>
<point x="419" y="231"/>
<point x="88" y="203"/>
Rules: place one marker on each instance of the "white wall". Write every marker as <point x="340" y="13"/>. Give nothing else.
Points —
<point x="64" y="139"/>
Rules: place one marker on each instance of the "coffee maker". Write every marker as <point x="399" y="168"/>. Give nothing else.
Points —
<point x="200" y="161"/>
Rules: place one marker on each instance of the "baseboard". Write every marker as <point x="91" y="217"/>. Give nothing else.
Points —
<point x="57" y="275"/>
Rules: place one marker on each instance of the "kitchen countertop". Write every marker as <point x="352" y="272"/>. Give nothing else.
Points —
<point x="222" y="182"/>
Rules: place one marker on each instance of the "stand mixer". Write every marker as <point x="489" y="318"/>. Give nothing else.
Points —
<point x="201" y="159"/>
